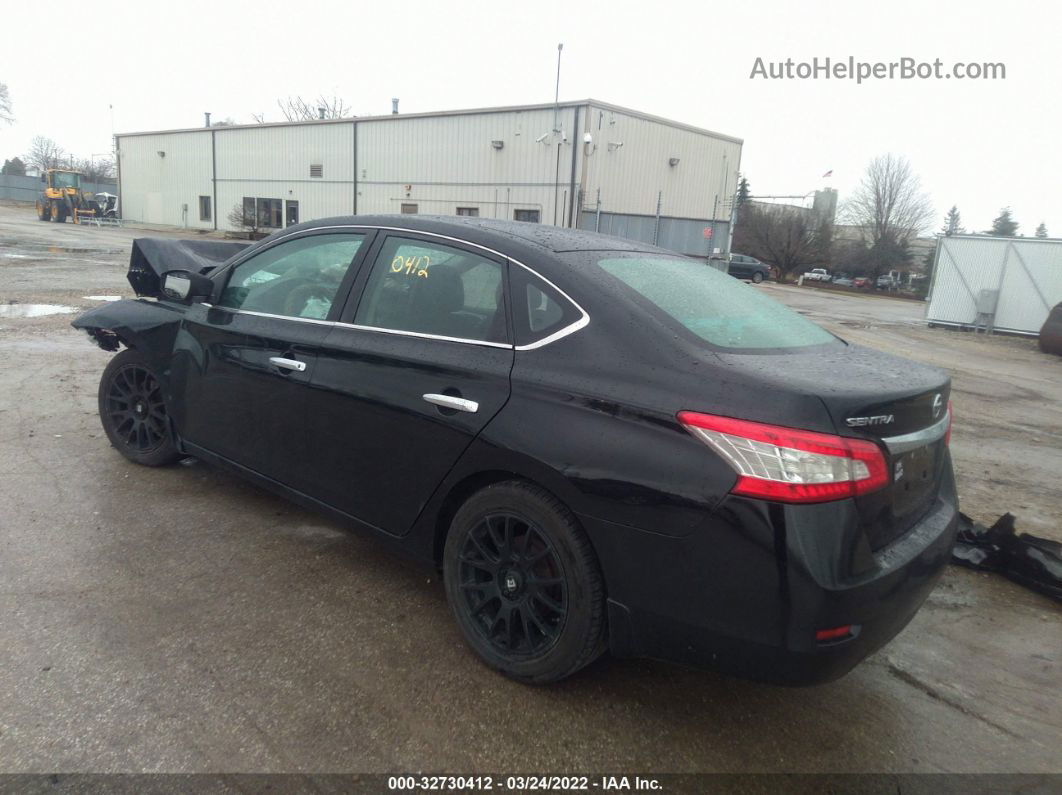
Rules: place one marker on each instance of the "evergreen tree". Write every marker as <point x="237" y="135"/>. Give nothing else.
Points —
<point x="1004" y="225"/>
<point x="14" y="167"/>
<point x="743" y="194"/>
<point x="952" y="223"/>
<point x="1041" y="230"/>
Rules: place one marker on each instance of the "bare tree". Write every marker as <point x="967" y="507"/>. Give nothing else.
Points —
<point x="889" y="205"/>
<point x="242" y="220"/>
<point x="785" y="237"/>
<point x="259" y="118"/>
<point x="6" y="114"/>
<point x="95" y="170"/>
<point x="45" y="153"/>
<point x="228" y="121"/>
<point x="298" y="109"/>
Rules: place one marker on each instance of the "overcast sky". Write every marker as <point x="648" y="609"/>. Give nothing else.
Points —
<point x="978" y="144"/>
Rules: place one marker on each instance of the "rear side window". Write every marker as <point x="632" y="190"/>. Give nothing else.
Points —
<point x="427" y="288"/>
<point x="714" y="306"/>
<point x="539" y="310"/>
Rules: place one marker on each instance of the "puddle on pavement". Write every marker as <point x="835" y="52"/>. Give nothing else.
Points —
<point x="102" y="297"/>
<point x="34" y="310"/>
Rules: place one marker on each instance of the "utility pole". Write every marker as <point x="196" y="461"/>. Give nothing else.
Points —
<point x="556" y="92"/>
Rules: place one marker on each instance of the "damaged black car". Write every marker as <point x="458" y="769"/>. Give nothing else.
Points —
<point x="601" y="444"/>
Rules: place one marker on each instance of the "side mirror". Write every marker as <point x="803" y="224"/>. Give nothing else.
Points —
<point x="186" y="287"/>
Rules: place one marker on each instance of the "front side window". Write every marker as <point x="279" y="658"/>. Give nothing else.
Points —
<point x="708" y="303"/>
<point x="426" y="288"/>
<point x="299" y="278"/>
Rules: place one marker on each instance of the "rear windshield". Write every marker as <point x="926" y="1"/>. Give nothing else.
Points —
<point x="713" y="305"/>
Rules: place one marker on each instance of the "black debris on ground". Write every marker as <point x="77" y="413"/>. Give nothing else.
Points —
<point x="1033" y="562"/>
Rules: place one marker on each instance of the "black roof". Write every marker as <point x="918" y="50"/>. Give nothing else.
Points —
<point x="487" y="231"/>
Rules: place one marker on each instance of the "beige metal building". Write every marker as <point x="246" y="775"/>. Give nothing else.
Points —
<point x="584" y="164"/>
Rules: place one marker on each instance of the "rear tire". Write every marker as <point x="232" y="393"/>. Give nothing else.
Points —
<point x="524" y="584"/>
<point x="133" y="413"/>
<point x="42" y="211"/>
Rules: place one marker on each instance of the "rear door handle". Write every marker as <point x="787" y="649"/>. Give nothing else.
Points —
<point x="451" y="402"/>
<point x="287" y="364"/>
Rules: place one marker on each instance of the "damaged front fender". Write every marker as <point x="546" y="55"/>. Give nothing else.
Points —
<point x="148" y="326"/>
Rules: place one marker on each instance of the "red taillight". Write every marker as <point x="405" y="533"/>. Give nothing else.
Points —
<point x="835" y="633"/>
<point x="947" y="433"/>
<point x="788" y="464"/>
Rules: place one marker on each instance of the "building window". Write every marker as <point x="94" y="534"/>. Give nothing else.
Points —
<point x="531" y="216"/>
<point x="409" y="209"/>
<point x="204" y="208"/>
<point x="316" y="171"/>
<point x="472" y="212"/>
<point x="269" y="213"/>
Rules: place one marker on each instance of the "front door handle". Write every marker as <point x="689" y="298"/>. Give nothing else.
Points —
<point x="287" y="364"/>
<point x="451" y="402"/>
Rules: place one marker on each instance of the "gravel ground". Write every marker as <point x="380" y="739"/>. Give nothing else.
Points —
<point x="181" y="620"/>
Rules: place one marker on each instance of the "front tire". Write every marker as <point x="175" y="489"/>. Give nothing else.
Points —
<point x="757" y="277"/>
<point x="524" y="584"/>
<point x="133" y="413"/>
<point x="42" y="211"/>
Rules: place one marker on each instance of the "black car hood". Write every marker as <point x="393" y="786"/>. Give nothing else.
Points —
<point x="153" y="256"/>
<point x="852" y="381"/>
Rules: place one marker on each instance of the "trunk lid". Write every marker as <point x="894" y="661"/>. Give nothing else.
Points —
<point x="899" y="404"/>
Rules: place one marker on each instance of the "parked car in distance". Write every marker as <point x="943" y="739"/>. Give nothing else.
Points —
<point x="601" y="444"/>
<point x="861" y="281"/>
<point x="1051" y="332"/>
<point x="743" y="266"/>
<point x="817" y="275"/>
<point x="886" y="282"/>
<point x="842" y="281"/>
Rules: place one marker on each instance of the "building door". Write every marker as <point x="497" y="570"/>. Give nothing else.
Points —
<point x="291" y="212"/>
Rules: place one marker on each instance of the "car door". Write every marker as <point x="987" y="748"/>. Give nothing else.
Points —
<point x="738" y="266"/>
<point x="418" y="365"/>
<point x="243" y="364"/>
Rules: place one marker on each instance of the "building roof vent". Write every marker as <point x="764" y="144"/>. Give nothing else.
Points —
<point x="317" y="171"/>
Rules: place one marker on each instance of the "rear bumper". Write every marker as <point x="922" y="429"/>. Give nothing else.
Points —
<point x="746" y="593"/>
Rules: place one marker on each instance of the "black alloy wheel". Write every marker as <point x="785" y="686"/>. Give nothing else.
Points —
<point x="513" y="585"/>
<point x="524" y="583"/>
<point x="135" y="409"/>
<point x="133" y="412"/>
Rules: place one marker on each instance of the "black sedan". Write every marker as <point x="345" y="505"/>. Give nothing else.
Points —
<point x="743" y="266"/>
<point x="602" y="445"/>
